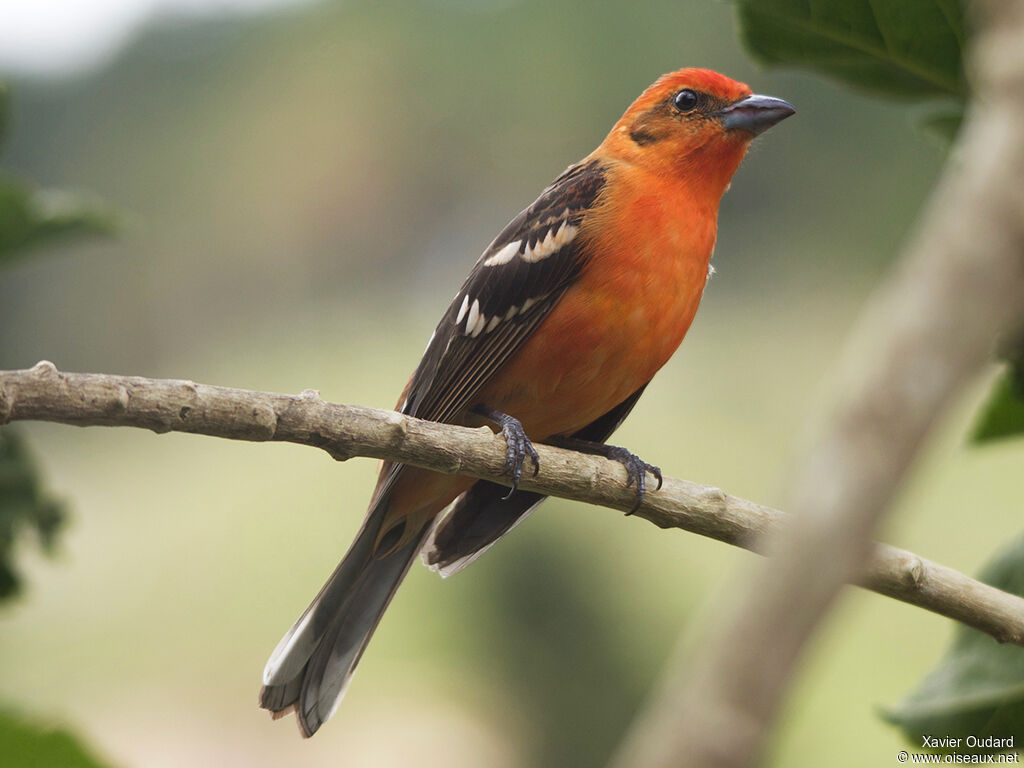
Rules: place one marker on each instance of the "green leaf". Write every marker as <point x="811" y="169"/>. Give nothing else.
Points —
<point x="24" y="506"/>
<point x="31" y="217"/>
<point x="910" y="49"/>
<point x="1003" y="415"/>
<point x="977" y="688"/>
<point x="28" y="745"/>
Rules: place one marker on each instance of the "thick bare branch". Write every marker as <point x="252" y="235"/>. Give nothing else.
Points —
<point x="43" y="393"/>
<point x="928" y="331"/>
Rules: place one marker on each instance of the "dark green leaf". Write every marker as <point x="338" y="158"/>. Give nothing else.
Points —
<point x="24" y="507"/>
<point x="907" y="49"/>
<point x="1003" y="414"/>
<point x="30" y="217"/>
<point x="27" y="745"/>
<point x="977" y="689"/>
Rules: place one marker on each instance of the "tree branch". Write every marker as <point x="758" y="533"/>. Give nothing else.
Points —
<point x="42" y="393"/>
<point x="930" y="328"/>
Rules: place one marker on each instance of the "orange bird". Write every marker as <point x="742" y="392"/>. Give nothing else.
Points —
<point x="560" y="325"/>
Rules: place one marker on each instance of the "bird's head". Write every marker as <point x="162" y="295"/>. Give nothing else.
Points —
<point x="695" y="119"/>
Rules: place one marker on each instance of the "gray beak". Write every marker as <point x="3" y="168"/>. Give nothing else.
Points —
<point x="755" y="114"/>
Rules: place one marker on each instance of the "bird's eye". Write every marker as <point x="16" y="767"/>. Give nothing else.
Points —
<point x="685" y="100"/>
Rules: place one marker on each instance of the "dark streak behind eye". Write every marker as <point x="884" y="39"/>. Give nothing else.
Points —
<point x="642" y="136"/>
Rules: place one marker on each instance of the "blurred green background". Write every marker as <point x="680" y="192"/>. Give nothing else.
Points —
<point x="305" y="190"/>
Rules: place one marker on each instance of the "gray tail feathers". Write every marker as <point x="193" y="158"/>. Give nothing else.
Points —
<point x="477" y="520"/>
<point x="311" y="667"/>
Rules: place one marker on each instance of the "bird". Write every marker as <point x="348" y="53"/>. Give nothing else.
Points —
<point x="552" y="338"/>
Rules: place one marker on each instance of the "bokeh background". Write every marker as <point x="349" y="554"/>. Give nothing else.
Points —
<point x="303" y="187"/>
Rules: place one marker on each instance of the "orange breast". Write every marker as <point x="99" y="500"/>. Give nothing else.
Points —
<point x="622" y="319"/>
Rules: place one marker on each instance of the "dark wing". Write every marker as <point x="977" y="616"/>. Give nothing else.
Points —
<point x="510" y="290"/>
<point x="483" y="514"/>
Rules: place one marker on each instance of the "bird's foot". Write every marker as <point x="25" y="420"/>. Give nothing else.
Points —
<point x="519" y="445"/>
<point x="636" y="468"/>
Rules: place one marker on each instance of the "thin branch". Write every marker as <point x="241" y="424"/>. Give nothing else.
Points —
<point x="42" y="393"/>
<point x="928" y="331"/>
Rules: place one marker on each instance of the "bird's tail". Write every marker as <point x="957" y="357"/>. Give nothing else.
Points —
<point x="481" y="516"/>
<point x="312" y="665"/>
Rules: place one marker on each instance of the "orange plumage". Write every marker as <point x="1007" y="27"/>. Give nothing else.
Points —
<point x="560" y="325"/>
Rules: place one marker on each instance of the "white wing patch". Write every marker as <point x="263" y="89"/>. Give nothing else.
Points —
<point x="477" y="322"/>
<point x="554" y="241"/>
<point x="505" y="255"/>
<point x="478" y="327"/>
<point x="473" y="317"/>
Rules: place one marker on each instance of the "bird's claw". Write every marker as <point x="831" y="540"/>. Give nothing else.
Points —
<point x="519" y="445"/>
<point x="636" y="473"/>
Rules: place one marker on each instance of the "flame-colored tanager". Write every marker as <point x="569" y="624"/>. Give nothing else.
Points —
<point x="560" y="325"/>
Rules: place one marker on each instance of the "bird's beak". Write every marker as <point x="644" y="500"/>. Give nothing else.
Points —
<point x="755" y="114"/>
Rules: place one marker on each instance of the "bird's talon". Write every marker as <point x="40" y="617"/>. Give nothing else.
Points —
<point x="518" y="445"/>
<point x="636" y="473"/>
<point x="534" y="457"/>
